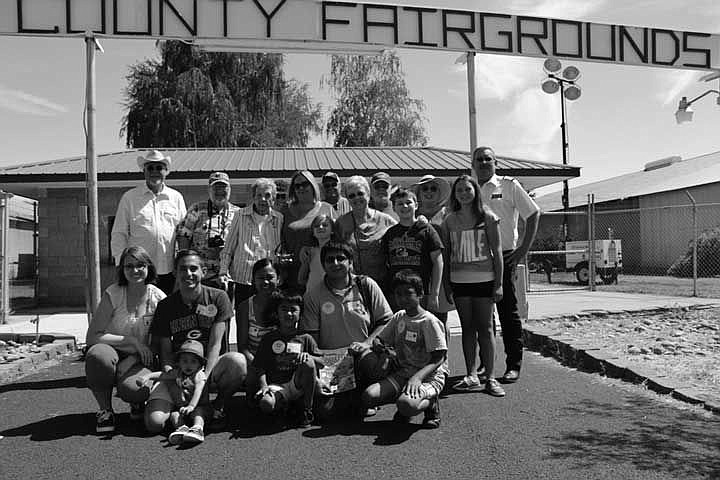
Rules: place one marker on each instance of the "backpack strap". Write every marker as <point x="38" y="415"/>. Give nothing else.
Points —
<point x="364" y="288"/>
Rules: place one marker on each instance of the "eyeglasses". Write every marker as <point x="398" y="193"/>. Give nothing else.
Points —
<point x="359" y="193"/>
<point x="429" y="188"/>
<point x="302" y="185"/>
<point x="134" y="266"/>
<point x="484" y="159"/>
<point x="155" y="168"/>
<point x="336" y="258"/>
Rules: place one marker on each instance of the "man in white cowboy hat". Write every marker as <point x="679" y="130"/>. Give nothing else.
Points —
<point x="148" y="216"/>
<point x="206" y="226"/>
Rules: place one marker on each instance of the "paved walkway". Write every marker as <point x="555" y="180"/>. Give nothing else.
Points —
<point x="541" y="305"/>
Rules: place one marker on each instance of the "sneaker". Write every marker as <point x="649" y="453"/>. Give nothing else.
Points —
<point x="401" y="419"/>
<point x="306" y="419"/>
<point x="493" y="387"/>
<point x="177" y="437"/>
<point x="370" y="412"/>
<point x="105" y="421"/>
<point x="468" y="384"/>
<point x="432" y="415"/>
<point x="137" y="411"/>
<point x="194" y="435"/>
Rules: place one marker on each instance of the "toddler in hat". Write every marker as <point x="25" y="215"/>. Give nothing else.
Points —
<point x="184" y="384"/>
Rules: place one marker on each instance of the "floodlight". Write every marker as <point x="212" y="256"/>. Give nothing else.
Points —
<point x="552" y="65"/>
<point x="550" y="85"/>
<point x="572" y="92"/>
<point x="571" y="73"/>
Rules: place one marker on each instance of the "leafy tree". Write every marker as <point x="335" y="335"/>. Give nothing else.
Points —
<point x="373" y="105"/>
<point x="190" y="98"/>
<point x="708" y="253"/>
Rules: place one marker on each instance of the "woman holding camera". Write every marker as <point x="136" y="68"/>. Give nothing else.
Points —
<point x="206" y="227"/>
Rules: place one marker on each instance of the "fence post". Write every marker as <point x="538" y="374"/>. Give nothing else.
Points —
<point x="591" y="242"/>
<point x="694" y="242"/>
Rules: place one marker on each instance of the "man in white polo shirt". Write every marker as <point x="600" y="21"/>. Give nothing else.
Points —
<point x="148" y="216"/>
<point x="507" y="198"/>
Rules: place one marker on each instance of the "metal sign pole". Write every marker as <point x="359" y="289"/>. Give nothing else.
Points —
<point x="93" y="234"/>
<point x="4" y="273"/>
<point x="471" y="100"/>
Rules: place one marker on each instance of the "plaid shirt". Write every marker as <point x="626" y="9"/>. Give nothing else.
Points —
<point x="200" y="227"/>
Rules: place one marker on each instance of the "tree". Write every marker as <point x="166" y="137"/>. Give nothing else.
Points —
<point x="373" y="105"/>
<point x="190" y="98"/>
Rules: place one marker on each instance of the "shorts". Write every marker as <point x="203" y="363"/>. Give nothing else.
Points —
<point x="288" y="390"/>
<point x="475" y="290"/>
<point x="431" y="387"/>
<point x="170" y="392"/>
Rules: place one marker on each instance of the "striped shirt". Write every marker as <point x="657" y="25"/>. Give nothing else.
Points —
<point x="248" y="241"/>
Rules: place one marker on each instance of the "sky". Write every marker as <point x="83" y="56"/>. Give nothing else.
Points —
<point x="624" y="118"/>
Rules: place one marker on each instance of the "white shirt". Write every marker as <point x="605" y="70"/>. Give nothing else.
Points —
<point x="508" y="200"/>
<point x="149" y="221"/>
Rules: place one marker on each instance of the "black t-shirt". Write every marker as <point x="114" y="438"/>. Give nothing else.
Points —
<point x="175" y="320"/>
<point x="276" y="355"/>
<point x="410" y="248"/>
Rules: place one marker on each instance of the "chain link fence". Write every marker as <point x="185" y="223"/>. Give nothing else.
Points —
<point x="668" y="250"/>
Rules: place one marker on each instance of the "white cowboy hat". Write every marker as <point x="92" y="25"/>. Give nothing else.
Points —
<point x="154" y="156"/>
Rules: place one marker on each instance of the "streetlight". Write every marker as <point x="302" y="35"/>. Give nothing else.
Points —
<point x="684" y="113"/>
<point x="565" y="83"/>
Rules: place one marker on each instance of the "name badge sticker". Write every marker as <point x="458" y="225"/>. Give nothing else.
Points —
<point x="278" y="347"/>
<point x="253" y="330"/>
<point x="411" y="336"/>
<point x="496" y="196"/>
<point x="293" y="347"/>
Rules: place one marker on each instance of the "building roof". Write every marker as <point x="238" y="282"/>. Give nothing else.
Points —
<point x="660" y="176"/>
<point x="247" y="163"/>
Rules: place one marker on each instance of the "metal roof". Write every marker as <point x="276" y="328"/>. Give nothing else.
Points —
<point x="691" y="172"/>
<point x="191" y="163"/>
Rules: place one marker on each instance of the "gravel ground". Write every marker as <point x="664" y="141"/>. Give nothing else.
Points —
<point x="680" y="344"/>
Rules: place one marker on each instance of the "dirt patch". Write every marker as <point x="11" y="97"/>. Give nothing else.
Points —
<point x="680" y="344"/>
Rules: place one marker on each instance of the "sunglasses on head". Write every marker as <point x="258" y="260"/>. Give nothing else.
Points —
<point x="356" y="194"/>
<point x="429" y="188"/>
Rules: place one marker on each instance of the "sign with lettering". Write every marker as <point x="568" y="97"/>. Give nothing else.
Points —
<point x="341" y="26"/>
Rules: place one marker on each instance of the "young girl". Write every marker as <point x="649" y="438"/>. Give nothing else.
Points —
<point x="311" y="271"/>
<point x="471" y="236"/>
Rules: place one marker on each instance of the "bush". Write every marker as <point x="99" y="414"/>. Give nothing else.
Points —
<point x="708" y="257"/>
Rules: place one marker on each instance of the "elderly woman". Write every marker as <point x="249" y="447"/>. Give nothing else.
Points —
<point x="254" y="234"/>
<point x="363" y="228"/>
<point x="118" y="337"/>
<point x="303" y="206"/>
<point x="432" y="193"/>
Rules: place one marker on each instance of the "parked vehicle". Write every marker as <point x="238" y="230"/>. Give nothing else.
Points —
<point x="608" y="259"/>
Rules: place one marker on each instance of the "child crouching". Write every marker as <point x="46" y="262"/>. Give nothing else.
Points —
<point x="185" y="384"/>
<point x="286" y="362"/>
<point x="418" y="339"/>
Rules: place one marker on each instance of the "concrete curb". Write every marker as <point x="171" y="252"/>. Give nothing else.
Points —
<point x="57" y="345"/>
<point x="587" y="357"/>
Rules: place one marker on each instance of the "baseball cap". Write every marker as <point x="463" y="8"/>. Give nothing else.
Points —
<point x="194" y="347"/>
<point x="221" y="177"/>
<point x="330" y="176"/>
<point x="380" y="177"/>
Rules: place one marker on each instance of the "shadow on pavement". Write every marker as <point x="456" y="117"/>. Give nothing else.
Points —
<point x="73" y="382"/>
<point x="387" y="432"/>
<point x="684" y="446"/>
<point x="74" y="425"/>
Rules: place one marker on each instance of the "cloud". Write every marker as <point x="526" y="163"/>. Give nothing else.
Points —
<point x="575" y="9"/>
<point x="21" y="102"/>
<point x="535" y="117"/>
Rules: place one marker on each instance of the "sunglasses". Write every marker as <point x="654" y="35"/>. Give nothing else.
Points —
<point x="302" y="185"/>
<point x="429" y="188"/>
<point x="155" y="168"/>
<point x="336" y="258"/>
<point x="484" y="159"/>
<point x="356" y="194"/>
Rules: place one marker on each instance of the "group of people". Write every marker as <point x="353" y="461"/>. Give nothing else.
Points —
<point x="373" y="271"/>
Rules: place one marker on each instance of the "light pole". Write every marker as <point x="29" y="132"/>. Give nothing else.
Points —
<point x="684" y="113"/>
<point x="565" y="83"/>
